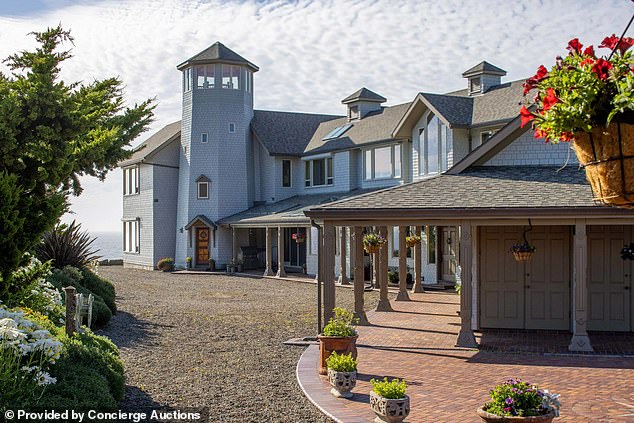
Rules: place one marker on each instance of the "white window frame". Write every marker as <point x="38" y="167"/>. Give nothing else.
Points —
<point x="471" y="81"/>
<point x="393" y="171"/>
<point x="187" y="80"/>
<point x="198" y="186"/>
<point x="290" y="170"/>
<point x="131" y="237"/>
<point x="131" y="181"/>
<point x="208" y="74"/>
<point x="204" y="138"/>
<point x="235" y="71"/>
<point x="423" y="142"/>
<point x="329" y="172"/>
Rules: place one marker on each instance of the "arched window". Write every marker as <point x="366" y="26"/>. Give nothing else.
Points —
<point x="433" y="150"/>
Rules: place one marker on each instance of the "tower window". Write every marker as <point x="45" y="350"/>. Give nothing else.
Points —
<point x="203" y="190"/>
<point x="203" y="138"/>
<point x="232" y="127"/>
<point x="205" y="76"/>
<point x="354" y="112"/>
<point x="475" y="85"/>
<point x="187" y="80"/>
<point x="231" y="77"/>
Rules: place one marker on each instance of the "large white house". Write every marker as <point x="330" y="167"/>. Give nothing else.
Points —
<point x="234" y="184"/>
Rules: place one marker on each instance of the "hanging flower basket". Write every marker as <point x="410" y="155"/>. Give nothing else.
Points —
<point x="588" y="100"/>
<point x="299" y="237"/>
<point x="412" y="240"/>
<point x="373" y="242"/>
<point x="523" y="252"/>
<point x="607" y="154"/>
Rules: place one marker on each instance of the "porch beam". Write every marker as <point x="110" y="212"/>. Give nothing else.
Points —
<point x="466" y="338"/>
<point x="269" y="253"/>
<point x="402" y="265"/>
<point x="327" y="270"/>
<point x="281" y="273"/>
<point x="384" y="302"/>
<point x="418" y="265"/>
<point x="359" y="276"/>
<point x="343" y="270"/>
<point x="580" y="340"/>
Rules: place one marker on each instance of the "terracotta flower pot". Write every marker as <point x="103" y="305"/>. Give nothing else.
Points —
<point x="608" y="157"/>
<point x="342" y="383"/>
<point x="342" y="344"/>
<point x="389" y="410"/>
<point x="493" y="418"/>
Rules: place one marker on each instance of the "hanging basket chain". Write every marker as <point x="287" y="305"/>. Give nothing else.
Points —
<point x="621" y="38"/>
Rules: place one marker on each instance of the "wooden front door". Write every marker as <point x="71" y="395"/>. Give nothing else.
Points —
<point x="202" y="246"/>
<point x="609" y="279"/>
<point x="448" y="246"/>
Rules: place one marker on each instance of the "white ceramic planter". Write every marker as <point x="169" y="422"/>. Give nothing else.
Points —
<point x="342" y="383"/>
<point x="389" y="410"/>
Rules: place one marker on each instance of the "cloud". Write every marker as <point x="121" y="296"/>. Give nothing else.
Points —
<point x="311" y="53"/>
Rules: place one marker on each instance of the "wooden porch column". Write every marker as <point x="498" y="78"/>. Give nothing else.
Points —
<point x="580" y="340"/>
<point x="418" y="266"/>
<point x="280" y="253"/>
<point x="384" y="303"/>
<point x="402" y="265"/>
<point x="327" y="270"/>
<point x="343" y="269"/>
<point x="359" y="276"/>
<point x="269" y="253"/>
<point x="466" y="337"/>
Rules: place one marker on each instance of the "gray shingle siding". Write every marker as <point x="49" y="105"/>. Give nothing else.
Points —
<point x="137" y="206"/>
<point x="526" y="150"/>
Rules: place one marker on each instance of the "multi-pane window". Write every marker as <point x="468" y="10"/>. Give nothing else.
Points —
<point x="433" y="146"/>
<point x="187" y="80"/>
<point x="319" y="172"/>
<point x="205" y="76"/>
<point x="131" y="180"/>
<point x="203" y="190"/>
<point x="131" y="236"/>
<point x="383" y="162"/>
<point x="286" y="173"/>
<point x="475" y="85"/>
<point x="231" y="77"/>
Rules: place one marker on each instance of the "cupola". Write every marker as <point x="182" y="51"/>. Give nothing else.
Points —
<point x="483" y="76"/>
<point x="362" y="102"/>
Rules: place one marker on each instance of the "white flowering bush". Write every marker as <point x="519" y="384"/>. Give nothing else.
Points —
<point x="26" y="353"/>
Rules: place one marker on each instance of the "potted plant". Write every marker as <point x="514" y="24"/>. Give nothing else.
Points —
<point x="338" y="335"/>
<point x="413" y="240"/>
<point x="388" y="400"/>
<point x="523" y="251"/>
<point x="342" y="374"/>
<point x="165" y="264"/>
<point x="239" y="267"/>
<point x="518" y="401"/>
<point x="299" y="237"/>
<point x="589" y="101"/>
<point x="372" y="242"/>
<point x="188" y="260"/>
<point x="212" y="264"/>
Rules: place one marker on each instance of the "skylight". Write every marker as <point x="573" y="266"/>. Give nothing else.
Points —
<point x="337" y="132"/>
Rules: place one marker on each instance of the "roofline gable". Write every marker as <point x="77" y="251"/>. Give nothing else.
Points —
<point x="413" y="108"/>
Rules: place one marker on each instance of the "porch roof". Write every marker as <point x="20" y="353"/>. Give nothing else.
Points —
<point x="201" y="218"/>
<point x="286" y="212"/>
<point x="479" y="192"/>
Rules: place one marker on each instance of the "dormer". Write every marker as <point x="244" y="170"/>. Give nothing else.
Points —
<point x="483" y="76"/>
<point x="362" y="102"/>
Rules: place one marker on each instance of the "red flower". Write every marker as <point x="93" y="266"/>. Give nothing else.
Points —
<point x="526" y="116"/>
<point x="574" y="46"/>
<point x="529" y="84"/>
<point x="601" y="68"/>
<point x="611" y="42"/>
<point x="589" y="51"/>
<point x="540" y="133"/>
<point x="550" y="100"/>
<point x="566" y="136"/>
<point x="542" y="72"/>
<point x="586" y="61"/>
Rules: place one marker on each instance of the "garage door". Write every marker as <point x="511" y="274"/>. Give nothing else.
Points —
<point x="533" y="295"/>
<point x="609" y="279"/>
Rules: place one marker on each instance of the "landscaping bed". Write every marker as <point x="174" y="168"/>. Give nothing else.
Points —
<point x="215" y="341"/>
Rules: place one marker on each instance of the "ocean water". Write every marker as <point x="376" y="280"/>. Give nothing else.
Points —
<point x="110" y="244"/>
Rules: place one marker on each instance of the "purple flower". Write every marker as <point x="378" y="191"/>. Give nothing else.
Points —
<point x="508" y="401"/>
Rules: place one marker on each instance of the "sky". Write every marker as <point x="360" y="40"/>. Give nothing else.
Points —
<point x="311" y="54"/>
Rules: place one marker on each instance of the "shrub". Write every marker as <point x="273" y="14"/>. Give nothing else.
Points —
<point x="517" y="398"/>
<point x="165" y="264"/>
<point x="342" y="324"/>
<point x="67" y="245"/>
<point x="395" y="389"/>
<point x="341" y="362"/>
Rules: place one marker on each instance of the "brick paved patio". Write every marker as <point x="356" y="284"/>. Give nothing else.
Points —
<point x="447" y="384"/>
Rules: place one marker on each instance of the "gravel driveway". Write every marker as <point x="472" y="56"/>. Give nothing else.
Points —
<point x="215" y="341"/>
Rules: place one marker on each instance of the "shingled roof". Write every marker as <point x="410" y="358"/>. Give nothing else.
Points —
<point x="484" y="67"/>
<point x="364" y="94"/>
<point x="217" y="53"/>
<point x="374" y="127"/>
<point x="478" y="190"/>
<point x="458" y="111"/>
<point x="154" y="143"/>
<point x="286" y="133"/>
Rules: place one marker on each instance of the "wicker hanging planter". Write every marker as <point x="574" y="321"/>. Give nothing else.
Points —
<point x="299" y="238"/>
<point x="371" y="249"/>
<point x="607" y="154"/>
<point x="523" y="256"/>
<point x="373" y="242"/>
<point x="412" y="241"/>
<point x="523" y="251"/>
